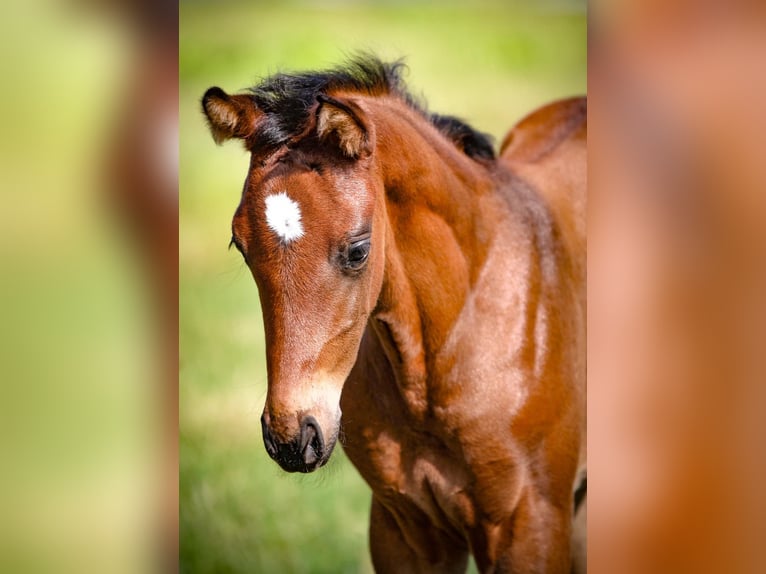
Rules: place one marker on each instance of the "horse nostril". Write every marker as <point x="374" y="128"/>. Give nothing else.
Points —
<point x="312" y="443"/>
<point x="303" y="452"/>
<point x="268" y="440"/>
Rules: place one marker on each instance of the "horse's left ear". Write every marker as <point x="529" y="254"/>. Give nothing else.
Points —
<point x="344" y="121"/>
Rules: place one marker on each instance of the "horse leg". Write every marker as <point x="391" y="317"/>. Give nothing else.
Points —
<point x="534" y="540"/>
<point x="392" y="554"/>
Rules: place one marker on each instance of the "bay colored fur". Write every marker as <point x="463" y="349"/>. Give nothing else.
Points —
<point x="432" y="314"/>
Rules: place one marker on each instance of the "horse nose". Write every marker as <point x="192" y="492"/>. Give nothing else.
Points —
<point x="312" y="442"/>
<point x="301" y="454"/>
<point x="268" y="439"/>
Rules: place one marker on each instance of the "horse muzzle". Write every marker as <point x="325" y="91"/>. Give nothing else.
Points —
<point x="305" y="452"/>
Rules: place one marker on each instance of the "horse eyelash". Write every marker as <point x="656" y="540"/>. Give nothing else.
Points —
<point x="234" y="243"/>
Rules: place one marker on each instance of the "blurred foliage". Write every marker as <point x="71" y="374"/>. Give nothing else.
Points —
<point x="487" y="62"/>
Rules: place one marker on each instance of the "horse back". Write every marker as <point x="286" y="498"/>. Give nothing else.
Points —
<point x="541" y="132"/>
<point x="548" y="149"/>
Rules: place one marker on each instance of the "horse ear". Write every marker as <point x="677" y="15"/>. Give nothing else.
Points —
<point x="229" y="116"/>
<point x="345" y="121"/>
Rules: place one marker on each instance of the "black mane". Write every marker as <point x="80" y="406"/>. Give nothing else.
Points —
<point x="287" y="100"/>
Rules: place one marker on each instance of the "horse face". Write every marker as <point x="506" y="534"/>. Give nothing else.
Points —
<point x="310" y="242"/>
<point x="309" y="226"/>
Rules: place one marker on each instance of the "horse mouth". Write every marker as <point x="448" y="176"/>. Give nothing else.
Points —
<point x="308" y="460"/>
<point x="308" y="452"/>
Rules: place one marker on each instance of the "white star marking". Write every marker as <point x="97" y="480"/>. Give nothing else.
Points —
<point x="283" y="216"/>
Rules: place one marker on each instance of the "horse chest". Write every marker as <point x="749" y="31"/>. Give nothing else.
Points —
<point x="413" y="476"/>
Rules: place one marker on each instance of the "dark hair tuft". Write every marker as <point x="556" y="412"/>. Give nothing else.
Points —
<point x="287" y="100"/>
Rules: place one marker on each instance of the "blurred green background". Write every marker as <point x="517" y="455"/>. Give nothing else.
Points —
<point x="78" y="431"/>
<point x="487" y="62"/>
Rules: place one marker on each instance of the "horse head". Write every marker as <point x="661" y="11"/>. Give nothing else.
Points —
<point x="310" y="226"/>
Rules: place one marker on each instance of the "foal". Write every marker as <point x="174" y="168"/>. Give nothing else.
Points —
<point x="429" y="296"/>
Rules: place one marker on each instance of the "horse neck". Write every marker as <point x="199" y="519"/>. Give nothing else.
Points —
<point x="434" y="244"/>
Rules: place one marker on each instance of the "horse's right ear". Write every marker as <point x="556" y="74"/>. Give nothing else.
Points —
<point x="229" y="116"/>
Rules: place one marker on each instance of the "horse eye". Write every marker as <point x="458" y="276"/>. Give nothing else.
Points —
<point x="238" y="246"/>
<point x="356" y="255"/>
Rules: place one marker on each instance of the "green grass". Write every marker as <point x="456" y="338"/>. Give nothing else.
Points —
<point x="489" y="63"/>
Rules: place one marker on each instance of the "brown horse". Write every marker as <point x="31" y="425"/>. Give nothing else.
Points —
<point x="432" y="294"/>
